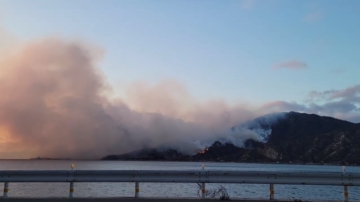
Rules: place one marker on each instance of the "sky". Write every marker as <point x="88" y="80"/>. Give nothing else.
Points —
<point x="264" y="56"/>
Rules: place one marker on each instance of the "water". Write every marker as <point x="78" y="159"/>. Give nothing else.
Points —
<point x="248" y="191"/>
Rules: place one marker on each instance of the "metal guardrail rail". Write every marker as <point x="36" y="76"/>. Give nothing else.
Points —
<point x="199" y="176"/>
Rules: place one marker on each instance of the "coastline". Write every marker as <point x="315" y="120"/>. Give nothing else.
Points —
<point x="147" y="160"/>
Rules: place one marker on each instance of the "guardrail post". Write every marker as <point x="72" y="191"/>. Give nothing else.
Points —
<point x="6" y="189"/>
<point x="272" y="192"/>
<point x="346" y="193"/>
<point x="71" y="194"/>
<point x="137" y="189"/>
<point x="203" y="190"/>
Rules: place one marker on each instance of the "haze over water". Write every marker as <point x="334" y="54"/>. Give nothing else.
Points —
<point x="173" y="189"/>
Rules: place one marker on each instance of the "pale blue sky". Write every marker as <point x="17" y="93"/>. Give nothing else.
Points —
<point x="217" y="49"/>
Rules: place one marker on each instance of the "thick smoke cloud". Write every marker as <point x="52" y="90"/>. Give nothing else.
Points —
<point x="6" y="40"/>
<point x="53" y="103"/>
<point x="171" y="99"/>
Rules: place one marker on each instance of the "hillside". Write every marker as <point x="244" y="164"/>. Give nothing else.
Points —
<point x="285" y="137"/>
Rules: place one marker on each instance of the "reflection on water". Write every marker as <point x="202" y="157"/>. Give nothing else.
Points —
<point x="305" y="192"/>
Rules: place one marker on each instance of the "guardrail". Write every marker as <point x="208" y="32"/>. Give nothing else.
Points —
<point x="202" y="176"/>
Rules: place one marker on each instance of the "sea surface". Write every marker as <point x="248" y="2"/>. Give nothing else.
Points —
<point x="248" y="191"/>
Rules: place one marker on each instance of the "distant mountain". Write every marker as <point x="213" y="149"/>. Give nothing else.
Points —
<point x="282" y="137"/>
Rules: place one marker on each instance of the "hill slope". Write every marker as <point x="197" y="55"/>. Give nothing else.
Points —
<point x="284" y="137"/>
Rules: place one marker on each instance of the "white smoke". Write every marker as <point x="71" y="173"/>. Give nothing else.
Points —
<point x="54" y="102"/>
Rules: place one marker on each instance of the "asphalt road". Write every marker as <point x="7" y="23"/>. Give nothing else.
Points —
<point x="116" y="200"/>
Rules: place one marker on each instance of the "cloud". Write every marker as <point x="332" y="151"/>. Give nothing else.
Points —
<point x="292" y="64"/>
<point x="350" y="94"/>
<point x="316" y="96"/>
<point x="338" y="109"/>
<point x="343" y="104"/>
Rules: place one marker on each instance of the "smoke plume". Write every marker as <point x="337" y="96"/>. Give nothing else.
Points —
<point x="54" y="103"/>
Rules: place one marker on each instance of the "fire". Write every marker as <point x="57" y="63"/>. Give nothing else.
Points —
<point x="203" y="151"/>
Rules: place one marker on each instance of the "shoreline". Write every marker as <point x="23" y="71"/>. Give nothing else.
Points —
<point x="100" y="160"/>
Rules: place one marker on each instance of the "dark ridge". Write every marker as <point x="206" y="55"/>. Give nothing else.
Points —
<point x="295" y="138"/>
